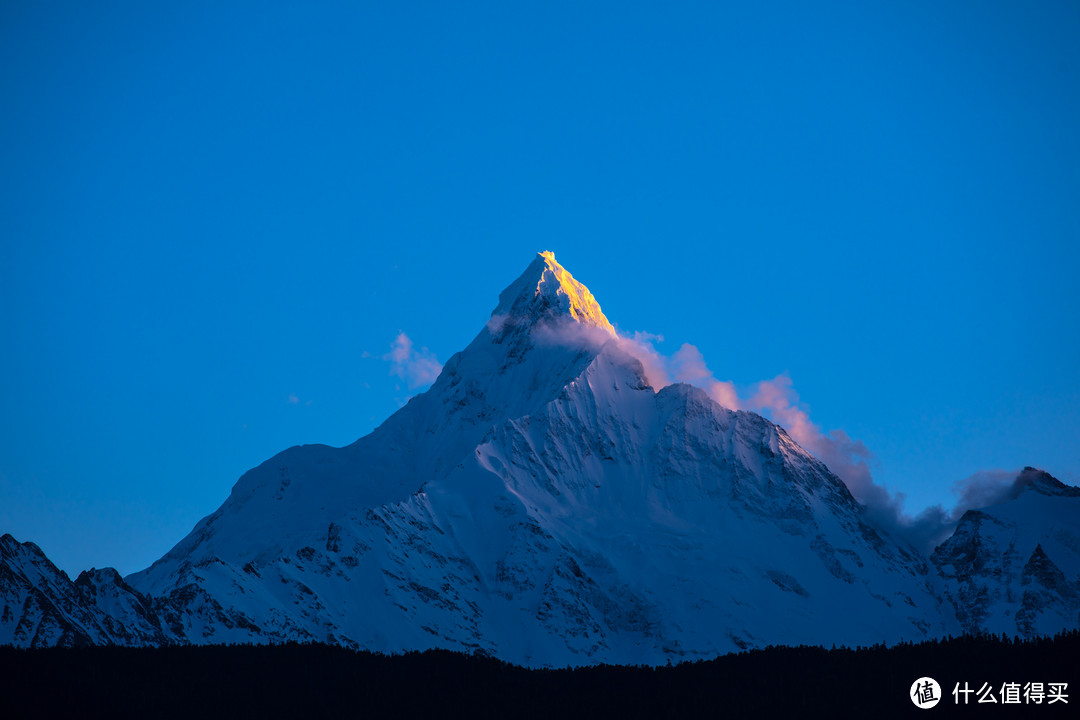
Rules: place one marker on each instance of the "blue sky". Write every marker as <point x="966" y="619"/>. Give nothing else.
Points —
<point x="216" y="218"/>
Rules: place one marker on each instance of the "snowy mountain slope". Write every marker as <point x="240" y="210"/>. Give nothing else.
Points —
<point x="699" y="529"/>
<point x="43" y="608"/>
<point x="543" y="503"/>
<point x="1015" y="567"/>
<point x="491" y="379"/>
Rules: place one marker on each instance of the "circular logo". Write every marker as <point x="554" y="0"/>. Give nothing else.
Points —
<point x="925" y="693"/>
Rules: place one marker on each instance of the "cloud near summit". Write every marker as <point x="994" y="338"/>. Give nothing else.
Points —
<point x="847" y="457"/>
<point x="777" y="399"/>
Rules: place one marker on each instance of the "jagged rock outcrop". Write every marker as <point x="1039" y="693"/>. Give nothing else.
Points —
<point x="1014" y="568"/>
<point x="41" y="607"/>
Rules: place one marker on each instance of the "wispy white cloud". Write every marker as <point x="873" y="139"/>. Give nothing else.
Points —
<point x="847" y="457"/>
<point x="417" y="367"/>
<point x="687" y="365"/>
<point x="776" y="399"/>
<point x="983" y="489"/>
<point x="643" y="347"/>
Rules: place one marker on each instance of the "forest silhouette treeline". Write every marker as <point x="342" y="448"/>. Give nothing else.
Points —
<point x="314" y="680"/>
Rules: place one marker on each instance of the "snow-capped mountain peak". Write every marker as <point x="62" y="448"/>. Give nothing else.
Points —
<point x="1041" y="482"/>
<point x="546" y="291"/>
<point x="1014" y="565"/>
<point x="543" y="503"/>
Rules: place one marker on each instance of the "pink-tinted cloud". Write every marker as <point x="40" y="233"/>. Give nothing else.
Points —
<point x="416" y="367"/>
<point x="643" y="347"/>
<point x="845" y="456"/>
<point x="688" y="366"/>
<point x="848" y="458"/>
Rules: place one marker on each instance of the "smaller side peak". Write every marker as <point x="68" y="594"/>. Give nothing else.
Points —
<point x="1043" y="483"/>
<point x="547" y="288"/>
<point x="10" y="547"/>
<point x="103" y="575"/>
